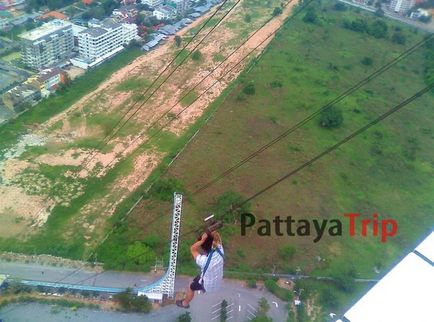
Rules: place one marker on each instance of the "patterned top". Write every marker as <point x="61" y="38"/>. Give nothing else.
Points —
<point x="214" y="274"/>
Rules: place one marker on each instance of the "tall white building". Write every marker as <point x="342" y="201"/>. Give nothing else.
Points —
<point x="104" y="39"/>
<point x="153" y="3"/>
<point x="181" y="6"/>
<point x="402" y="6"/>
<point x="47" y="45"/>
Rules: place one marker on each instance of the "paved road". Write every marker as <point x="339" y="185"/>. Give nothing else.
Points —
<point x="47" y="273"/>
<point x="243" y="302"/>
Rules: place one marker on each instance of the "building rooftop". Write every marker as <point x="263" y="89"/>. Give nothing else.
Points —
<point x="94" y="31"/>
<point x="45" y="30"/>
<point x="406" y="293"/>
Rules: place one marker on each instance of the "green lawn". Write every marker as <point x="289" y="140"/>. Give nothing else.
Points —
<point x="387" y="170"/>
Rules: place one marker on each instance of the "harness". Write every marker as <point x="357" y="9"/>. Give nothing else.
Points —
<point x="208" y="261"/>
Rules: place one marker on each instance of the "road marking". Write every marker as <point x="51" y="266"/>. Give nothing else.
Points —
<point x="275" y="303"/>
<point x="217" y="316"/>
<point x="239" y="295"/>
<point x="251" y="313"/>
<point x="230" y="317"/>
<point x="251" y="307"/>
<point x="230" y="305"/>
<point x="230" y="311"/>
<point x="216" y="305"/>
<point x="239" y="308"/>
<point x="218" y="310"/>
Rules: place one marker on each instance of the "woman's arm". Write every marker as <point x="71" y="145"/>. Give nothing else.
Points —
<point x="195" y="248"/>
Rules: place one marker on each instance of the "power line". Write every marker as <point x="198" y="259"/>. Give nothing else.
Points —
<point x="316" y="158"/>
<point x="313" y="115"/>
<point x="209" y="87"/>
<point x="114" y="131"/>
<point x="345" y="94"/>
<point x="116" y="225"/>
<point x="342" y="142"/>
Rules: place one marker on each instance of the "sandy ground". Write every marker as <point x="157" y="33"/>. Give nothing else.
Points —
<point x="107" y="99"/>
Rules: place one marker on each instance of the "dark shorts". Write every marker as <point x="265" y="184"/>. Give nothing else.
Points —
<point x="195" y="285"/>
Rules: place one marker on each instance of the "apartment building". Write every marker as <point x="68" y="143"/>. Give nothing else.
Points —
<point x="47" y="45"/>
<point x="104" y="38"/>
<point x="152" y="3"/>
<point x="402" y="6"/>
<point x="181" y="6"/>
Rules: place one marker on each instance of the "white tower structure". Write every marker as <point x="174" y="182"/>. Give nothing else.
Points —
<point x="166" y="284"/>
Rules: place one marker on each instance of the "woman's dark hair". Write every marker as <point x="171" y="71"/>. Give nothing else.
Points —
<point x="207" y="244"/>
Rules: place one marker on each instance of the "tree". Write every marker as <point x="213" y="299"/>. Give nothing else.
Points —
<point x="310" y="16"/>
<point x="339" y="6"/>
<point x="287" y="252"/>
<point x="228" y="204"/>
<point x="249" y="89"/>
<point x="399" y="38"/>
<point x="378" y="29"/>
<point x="264" y="307"/>
<point x="132" y="303"/>
<point x="223" y="311"/>
<point x="196" y="56"/>
<point x="138" y="254"/>
<point x="367" y="61"/>
<point x="247" y="18"/>
<point x="277" y="11"/>
<point x="331" y="117"/>
<point x="379" y="12"/>
<point x="178" y="40"/>
<point x="184" y="317"/>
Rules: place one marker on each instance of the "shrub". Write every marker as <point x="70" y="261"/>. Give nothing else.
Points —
<point x="184" y="317"/>
<point x="132" y="303"/>
<point x="367" y="61"/>
<point x="196" y="56"/>
<point x="249" y="89"/>
<point x="251" y="283"/>
<point x="399" y="38"/>
<point x="331" y="117"/>
<point x="277" y="11"/>
<point x="287" y="252"/>
<point x="310" y="16"/>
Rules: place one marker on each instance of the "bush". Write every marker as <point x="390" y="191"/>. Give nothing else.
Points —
<point x="132" y="303"/>
<point x="287" y="252"/>
<point x="281" y="293"/>
<point x="247" y="18"/>
<point x="331" y="118"/>
<point x="184" y="317"/>
<point x="339" y="6"/>
<point x="249" y="89"/>
<point x="164" y="189"/>
<point x="277" y="11"/>
<point x="399" y="38"/>
<point x="251" y="283"/>
<point x="367" y="61"/>
<point x="310" y="16"/>
<point x="196" y="56"/>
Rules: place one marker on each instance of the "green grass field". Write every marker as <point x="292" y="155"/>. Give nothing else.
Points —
<point x="387" y="170"/>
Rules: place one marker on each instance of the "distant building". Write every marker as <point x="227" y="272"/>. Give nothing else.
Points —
<point x="103" y="40"/>
<point x="164" y="12"/>
<point x="401" y="6"/>
<point x="125" y="14"/>
<point x="16" y="98"/>
<point x="181" y="6"/>
<point x="53" y="15"/>
<point x="152" y="3"/>
<point x="47" y="80"/>
<point x="47" y="45"/>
